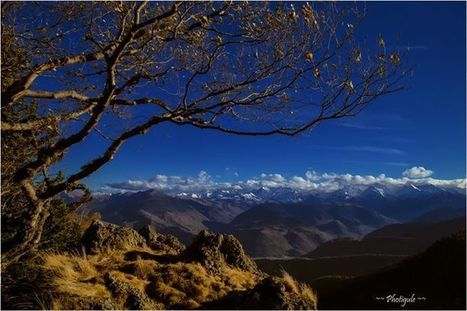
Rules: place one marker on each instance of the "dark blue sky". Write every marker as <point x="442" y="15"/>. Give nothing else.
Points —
<point x="423" y="125"/>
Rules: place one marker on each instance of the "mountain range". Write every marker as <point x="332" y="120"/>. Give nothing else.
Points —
<point x="281" y="221"/>
<point x="395" y="239"/>
<point x="349" y="257"/>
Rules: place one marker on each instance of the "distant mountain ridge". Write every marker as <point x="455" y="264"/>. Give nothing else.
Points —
<point x="395" y="239"/>
<point x="440" y="214"/>
<point x="183" y="217"/>
<point x="262" y="194"/>
<point x="293" y="229"/>
<point x="401" y="202"/>
<point x="280" y="222"/>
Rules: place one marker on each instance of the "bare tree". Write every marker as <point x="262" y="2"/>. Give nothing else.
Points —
<point x="88" y="68"/>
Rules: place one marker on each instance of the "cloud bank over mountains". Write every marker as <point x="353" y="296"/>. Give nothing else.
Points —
<point x="311" y="181"/>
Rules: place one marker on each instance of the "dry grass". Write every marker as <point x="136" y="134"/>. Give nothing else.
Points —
<point x="308" y="293"/>
<point x="237" y="279"/>
<point x="290" y="282"/>
<point x="177" y="285"/>
<point x="300" y="289"/>
<point x="132" y="279"/>
<point x="74" y="275"/>
<point x="144" y="269"/>
<point x="188" y="285"/>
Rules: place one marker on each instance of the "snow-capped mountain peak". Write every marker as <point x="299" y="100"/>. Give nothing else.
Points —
<point x="379" y="190"/>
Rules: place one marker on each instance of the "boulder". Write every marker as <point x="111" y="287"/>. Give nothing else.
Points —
<point x="101" y="237"/>
<point x="161" y="242"/>
<point x="134" y="298"/>
<point x="213" y="250"/>
<point x="272" y="293"/>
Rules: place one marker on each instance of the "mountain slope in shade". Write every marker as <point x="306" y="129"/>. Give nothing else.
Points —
<point x="335" y="227"/>
<point x="279" y="241"/>
<point x="311" y="269"/>
<point x="438" y="275"/>
<point x="395" y="239"/>
<point x="406" y="209"/>
<point x="271" y="231"/>
<point x="410" y="201"/>
<point x="278" y="230"/>
<point x="440" y="214"/>
<point x="355" y="218"/>
<point x="165" y="213"/>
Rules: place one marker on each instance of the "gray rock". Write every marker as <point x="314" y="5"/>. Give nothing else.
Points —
<point x="161" y="242"/>
<point x="101" y="237"/>
<point x="213" y="250"/>
<point x="134" y="298"/>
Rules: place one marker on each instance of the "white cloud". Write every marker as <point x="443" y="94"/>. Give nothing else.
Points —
<point x="171" y="183"/>
<point x="203" y="177"/>
<point x="311" y="181"/>
<point x="417" y="172"/>
<point x="312" y="175"/>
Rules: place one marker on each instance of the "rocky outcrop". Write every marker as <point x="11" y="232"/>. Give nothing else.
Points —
<point x="161" y="242"/>
<point x="213" y="250"/>
<point x="101" y="237"/>
<point x="151" y="271"/>
<point x="134" y="298"/>
<point x="272" y="293"/>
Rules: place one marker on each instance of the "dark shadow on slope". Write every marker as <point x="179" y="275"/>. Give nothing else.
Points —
<point x="164" y="259"/>
<point x="438" y="275"/>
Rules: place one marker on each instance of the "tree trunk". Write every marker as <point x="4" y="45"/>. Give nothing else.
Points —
<point x="29" y="236"/>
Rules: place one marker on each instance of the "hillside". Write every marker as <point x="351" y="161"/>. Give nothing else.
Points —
<point x="120" y="268"/>
<point x="293" y="229"/>
<point x="394" y="239"/>
<point x="353" y="282"/>
<point x="440" y="214"/>
<point x="437" y="275"/>
<point x="344" y="258"/>
<point x="310" y="269"/>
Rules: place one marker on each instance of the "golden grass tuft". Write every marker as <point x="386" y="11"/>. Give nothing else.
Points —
<point x="301" y="289"/>
<point x="74" y="275"/>
<point x="290" y="282"/>
<point x="132" y="279"/>
<point x="308" y="293"/>
<point x="188" y="285"/>
<point x="144" y="269"/>
<point x="177" y="285"/>
<point x="238" y="280"/>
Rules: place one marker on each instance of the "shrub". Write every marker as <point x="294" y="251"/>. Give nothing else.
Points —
<point x="64" y="228"/>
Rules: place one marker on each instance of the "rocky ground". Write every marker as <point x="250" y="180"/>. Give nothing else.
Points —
<point x="120" y="268"/>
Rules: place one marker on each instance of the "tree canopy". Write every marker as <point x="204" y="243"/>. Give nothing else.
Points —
<point x="74" y="69"/>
